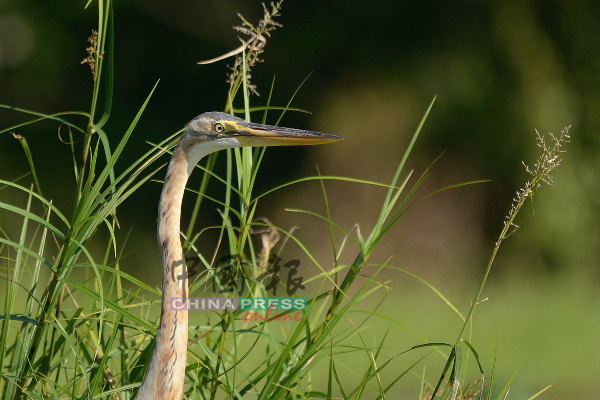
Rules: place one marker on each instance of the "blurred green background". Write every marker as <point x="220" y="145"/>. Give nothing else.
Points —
<point x="500" y="70"/>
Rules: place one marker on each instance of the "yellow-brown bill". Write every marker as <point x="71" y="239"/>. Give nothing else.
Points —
<point x="252" y="134"/>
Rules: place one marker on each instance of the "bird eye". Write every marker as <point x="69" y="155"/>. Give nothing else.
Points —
<point x="219" y="127"/>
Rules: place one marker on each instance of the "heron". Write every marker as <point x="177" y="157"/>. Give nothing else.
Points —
<point x="205" y="134"/>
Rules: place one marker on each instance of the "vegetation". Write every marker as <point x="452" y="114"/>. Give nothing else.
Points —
<point x="87" y="332"/>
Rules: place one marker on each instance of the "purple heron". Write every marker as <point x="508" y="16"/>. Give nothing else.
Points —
<point x="205" y="134"/>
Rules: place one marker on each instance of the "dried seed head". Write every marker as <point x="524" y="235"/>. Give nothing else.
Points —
<point x="92" y="53"/>
<point x="255" y="42"/>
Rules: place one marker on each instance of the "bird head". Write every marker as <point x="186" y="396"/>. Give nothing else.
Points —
<point x="226" y="131"/>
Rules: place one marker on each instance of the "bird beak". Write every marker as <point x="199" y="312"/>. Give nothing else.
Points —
<point x="251" y="134"/>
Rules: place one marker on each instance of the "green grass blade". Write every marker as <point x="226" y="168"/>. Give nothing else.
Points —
<point x="319" y="178"/>
<point x="540" y="392"/>
<point x="29" y="157"/>
<point x="48" y="204"/>
<point x="108" y="168"/>
<point x="43" y="117"/>
<point x="210" y="163"/>
<point x="29" y="252"/>
<point x="493" y="374"/>
<point x="11" y="289"/>
<point x="291" y="99"/>
<point x="382" y="217"/>
<point x="24" y="345"/>
<point x="269" y="107"/>
<point x="406" y="371"/>
<point x="450" y="362"/>
<point x="121" y="310"/>
<point x="507" y="386"/>
<point x="475" y="354"/>
<point x="106" y="148"/>
<point x="337" y="380"/>
<point x="109" y="58"/>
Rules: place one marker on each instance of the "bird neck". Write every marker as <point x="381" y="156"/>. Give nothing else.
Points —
<point x="166" y="372"/>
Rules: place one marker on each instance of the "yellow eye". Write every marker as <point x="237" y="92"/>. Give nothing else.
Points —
<point x="219" y="127"/>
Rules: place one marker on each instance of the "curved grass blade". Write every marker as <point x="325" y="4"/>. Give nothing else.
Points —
<point x="124" y="275"/>
<point x="110" y="164"/>
<point x="106" y="147"/>
<point x="44" y="116"/>
<point x="121" y="310"/>
<point x="29" y="157"/>
<point x="475" y="354"/>
<point x="20" y="318"/>
<point x="430" y="286"/>
<point x="319" y="178"/>
<point x="28" y="252"/>
<point x="292" y="98"/>
<point x="33" y="217"/>
<point x="40" y="198"/>
<point x="402" y="375"/>
<point x="58" y="328"/>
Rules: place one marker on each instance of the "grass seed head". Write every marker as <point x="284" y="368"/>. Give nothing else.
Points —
<point x="547" y="162"/>
<point x="92" y="53"/>
<point x="256" y="41"/>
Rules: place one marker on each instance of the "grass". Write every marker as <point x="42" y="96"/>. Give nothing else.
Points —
<point x="87" y="332"/>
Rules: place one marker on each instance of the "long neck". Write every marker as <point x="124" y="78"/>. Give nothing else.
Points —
<point x="166" y="372"/>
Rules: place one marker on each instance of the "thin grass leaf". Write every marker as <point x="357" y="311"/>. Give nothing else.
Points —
<point x="109" y="58"/>
<point x="506" y="387"/>
<point x="403" y="326"/>
<point x="291" y="99"/>
<point x="455" y="377"/>
<point x="106" y="147"/>
<point x="122" y="274"/>
<point x="422" y="385"/>
<point x="450" y="362"/>
<point x="16" y="179"/>
<point x="58" y="328"/>
<point x="540" y="392"/>
<point x="329" y="223"/>
<point x="30" y="294"/>
<point x="139" y="321"/>
<point x="375" y="235"/>
<point x="475" y="354"/>
<point x="20" y="318"/>
<point x="35" y="218"/>
<point x="319" y="178"/>
<point x="28" y="252"/>
<point x="268" y="107"/>
<point x="302" y="363"/>
<point x="493" y="374"/>
<point x="430" y="286"/>
<point x="47" y="203"/>
<point x="44" y="116"/>
<point x="210" y="163"/>
<point x="337" y="379"/>
<point x="97" y="379"/>
<point x="108" y="168"/>
<point x="29" y="157"/>
<point x="372" y="363"/>
<point x="391" y="385"/>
